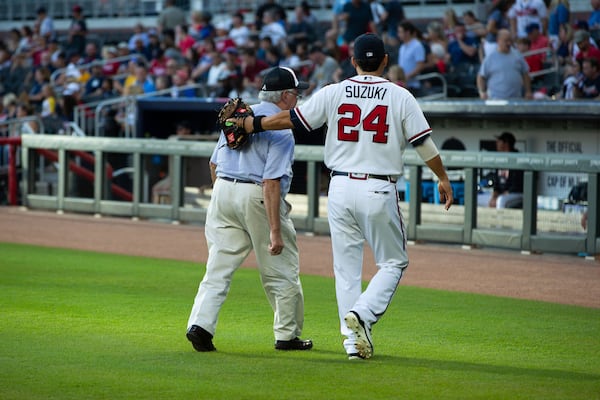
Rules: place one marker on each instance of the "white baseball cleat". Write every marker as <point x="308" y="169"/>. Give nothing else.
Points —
<point x="363" y="345"/>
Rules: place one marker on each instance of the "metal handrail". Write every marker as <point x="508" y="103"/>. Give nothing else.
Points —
<point x="434" y="96"/>
<point x="130" y="101"/>
<point x="19" y="121"/>
<point x="546" y="71"/>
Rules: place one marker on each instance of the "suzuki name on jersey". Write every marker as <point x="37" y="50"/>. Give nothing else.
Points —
<point x="366" y="92"/>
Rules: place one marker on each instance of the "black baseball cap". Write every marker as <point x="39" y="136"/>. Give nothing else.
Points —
<point x="368" y="46"/>
<point x="282" y="78"/>
<point x="507" y="137"/>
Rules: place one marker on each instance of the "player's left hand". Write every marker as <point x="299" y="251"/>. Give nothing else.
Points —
<point x="446" y="194"/>
<point x="276" y="245"/>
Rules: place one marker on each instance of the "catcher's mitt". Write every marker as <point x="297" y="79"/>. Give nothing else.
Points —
<point x="235" y="136"/>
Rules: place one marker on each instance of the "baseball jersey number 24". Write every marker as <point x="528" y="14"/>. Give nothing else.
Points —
<point x="375" y="122"/>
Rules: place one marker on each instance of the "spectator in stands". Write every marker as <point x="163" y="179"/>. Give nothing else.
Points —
<point x="504" y="74"/>
<point x="498" y="19"/>
<point x="475" y="28"/>
<point x="202" y="26"/>
<point x="123" y="52"/>
<point x="108" y="90"/>
<point x="346" y="69"/>
<point x="9" y="103"/>
<point x="91" y="53"/>
<point x="559" y="13"/>
<point x="139" y="33"/>
<point x="41" y="77"/>
<point x="25" y="110"/>
<point x="171" y="49"/>
<point x="163" y="82"/>
<point x="525" y="12"/>
<point x="53" y="49"/>
<point x="533" y="62"/>
<point x="302" y="28"/>
<point x="180" y="80"/>
<point x="162" y="65"/>
<point x="272" y="29"/>
<point x="594" y="19"/>
<point x="26" y="43"/>
<point x="170" y="16"/>
<point x="223" y="41"/>
<point x="59" y="62"/>
<point x="438" y="44"/>
<point x="142" y="50"/>
<point x="589" y="87"/>
<point x="449" y="21"/>
<point x="110" y="67"/>
<point x="289" y="58"/>
<point x="323" y="74"/>
<point x="183" y="39"/>
<point x="206" y="51"/>
<point x="273" y="56"/>
<point x="93" y="86"/>
<point x="358" y="19"/>
<point x="585" y="48"/>
<point x="49" y="103"/>
<point x="537" y="41"/>
<point x="251" y="69"/>
<point x="239" y="32"/>
<point x="19" y="74"/>
<point x="143" y="78"/>
<point x="338" y="25"/>
<point x="395" y="15"/>
<point x="464" y="49"/>
<point x="154" y="46"/>
<point x="507" y="184"/>
<point x="77" y="31"/>
<point x="215" y="72"/>
<point x="279" y="14"/>
<point x="411" y="55"/>
<point x="395" y="74"/>
<point x="46" y="24"/>
<point x="380" y="15"/>
<point x="564" y="46"/>
<point x="231" y="82"/>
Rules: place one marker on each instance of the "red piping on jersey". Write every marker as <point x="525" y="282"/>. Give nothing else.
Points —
<point x="368" y="83"/>
<point x="420" y="134"/>
<point x="299" y="114"/>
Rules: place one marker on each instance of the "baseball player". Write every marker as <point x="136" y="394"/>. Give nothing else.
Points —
<point x="248" y="211"/>
<point x="370" y="121"/>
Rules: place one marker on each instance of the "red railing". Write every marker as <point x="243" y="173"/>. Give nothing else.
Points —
<point x="14" y="142"/>
<point x="86" y="173"/>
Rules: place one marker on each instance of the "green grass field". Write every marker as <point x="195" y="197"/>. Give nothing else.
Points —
<point x="83" y="325"/>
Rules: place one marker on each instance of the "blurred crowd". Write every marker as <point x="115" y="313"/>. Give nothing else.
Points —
<point x="42" y="73"/>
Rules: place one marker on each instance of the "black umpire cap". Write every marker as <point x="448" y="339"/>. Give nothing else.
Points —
<point x="282" y="78"/>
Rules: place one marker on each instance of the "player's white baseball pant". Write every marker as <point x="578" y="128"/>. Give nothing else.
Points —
<point x="236" y="223"/>
<point x="360" y="210"/>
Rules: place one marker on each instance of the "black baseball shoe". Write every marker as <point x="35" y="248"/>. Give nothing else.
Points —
<point x="294" y="344"/>
<point x="364" y="345"/>
<point x="200" y="338"/>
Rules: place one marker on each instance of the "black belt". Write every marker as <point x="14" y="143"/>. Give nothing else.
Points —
<point x="354" y="175"/>
<point x="234" y="180"/>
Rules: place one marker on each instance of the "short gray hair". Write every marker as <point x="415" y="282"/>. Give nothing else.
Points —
<point x="271" y="96"/>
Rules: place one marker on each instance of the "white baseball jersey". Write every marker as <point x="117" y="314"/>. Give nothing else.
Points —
<point x="527" y="12"/>
<point x="370" y="120"/>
